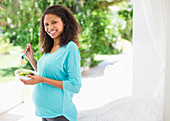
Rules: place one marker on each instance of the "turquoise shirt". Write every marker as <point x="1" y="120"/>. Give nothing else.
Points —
<point x="62" y="65"/>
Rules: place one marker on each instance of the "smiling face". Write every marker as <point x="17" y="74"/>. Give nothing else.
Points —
<point x="53" y="26"/>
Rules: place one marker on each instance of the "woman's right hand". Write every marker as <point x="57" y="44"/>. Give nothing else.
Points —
<point x="30" y="53"/>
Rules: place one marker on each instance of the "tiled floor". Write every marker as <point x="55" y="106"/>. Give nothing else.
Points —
<point x="110" y="80"/>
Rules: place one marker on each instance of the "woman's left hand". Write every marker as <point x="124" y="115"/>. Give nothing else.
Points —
<point x="34" y="80"/>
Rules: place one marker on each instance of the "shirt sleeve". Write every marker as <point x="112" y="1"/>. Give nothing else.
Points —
<point x="73" y="83"/>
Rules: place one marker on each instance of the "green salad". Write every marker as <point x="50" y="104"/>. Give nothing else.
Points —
<point x="23" y="73"/>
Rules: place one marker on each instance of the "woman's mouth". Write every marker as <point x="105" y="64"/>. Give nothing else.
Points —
<point x="52" y="32"/>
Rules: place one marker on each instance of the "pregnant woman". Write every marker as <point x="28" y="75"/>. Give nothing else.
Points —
<point x="59" y="75"/>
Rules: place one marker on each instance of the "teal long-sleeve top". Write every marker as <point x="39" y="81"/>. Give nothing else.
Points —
<point x="62" y="65"/>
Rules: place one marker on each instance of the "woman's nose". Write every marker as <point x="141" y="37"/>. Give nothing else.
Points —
<point x="50" y="26"/>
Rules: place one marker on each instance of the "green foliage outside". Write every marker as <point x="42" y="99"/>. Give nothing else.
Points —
<point x="9" y="63"/>
<point x="101" y="27"/>
<point x="5" y="46"/>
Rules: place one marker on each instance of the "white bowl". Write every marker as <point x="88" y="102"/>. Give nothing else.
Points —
<point x="24" y="70"/>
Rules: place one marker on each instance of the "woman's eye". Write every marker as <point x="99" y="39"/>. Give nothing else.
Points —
<point x="54" y="22"/>
<point x="45" y="24"/>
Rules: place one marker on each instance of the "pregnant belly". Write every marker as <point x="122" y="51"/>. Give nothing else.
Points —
<point x="48" y="99"/>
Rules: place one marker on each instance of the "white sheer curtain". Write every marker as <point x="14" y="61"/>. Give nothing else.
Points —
<point x="155" y="12"/>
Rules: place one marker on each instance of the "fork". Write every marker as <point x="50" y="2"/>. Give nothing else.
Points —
<point x="25" y="53"/>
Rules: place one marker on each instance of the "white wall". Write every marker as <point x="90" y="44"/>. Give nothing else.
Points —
<point x="145" y="59"/>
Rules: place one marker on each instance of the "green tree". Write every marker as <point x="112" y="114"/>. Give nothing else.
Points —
<point x="101" y="27"/>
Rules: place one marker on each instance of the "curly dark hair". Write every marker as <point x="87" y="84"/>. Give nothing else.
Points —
<point x="71" y="29"/>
